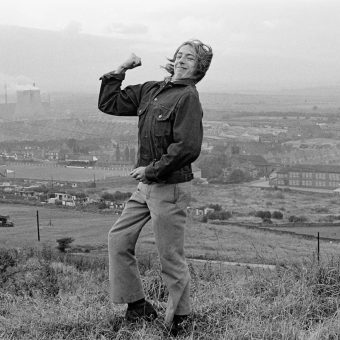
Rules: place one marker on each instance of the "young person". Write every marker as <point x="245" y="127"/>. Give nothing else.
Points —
<point x="170" y="135"/>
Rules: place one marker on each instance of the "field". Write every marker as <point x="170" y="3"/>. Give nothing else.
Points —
<point x="59" y="173"/>
<point x="243" y="200"/>
<point x="203" y="240"/>
<point x="86" y="228"/>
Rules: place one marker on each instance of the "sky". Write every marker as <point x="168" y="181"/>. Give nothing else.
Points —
<point x="259" y="45"/>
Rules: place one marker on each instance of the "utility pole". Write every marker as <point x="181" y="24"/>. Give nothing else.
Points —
<point x="38" y="226"/>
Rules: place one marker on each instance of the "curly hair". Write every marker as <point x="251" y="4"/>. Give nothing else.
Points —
<point x="204" y="55"/>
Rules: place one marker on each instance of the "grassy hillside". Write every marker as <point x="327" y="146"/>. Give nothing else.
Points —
<point x="47" y="296"/>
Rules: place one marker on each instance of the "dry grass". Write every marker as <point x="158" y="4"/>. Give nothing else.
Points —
<point x="47" y="296"/>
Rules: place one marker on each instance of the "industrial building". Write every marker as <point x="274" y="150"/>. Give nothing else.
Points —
<point x="28" y="104"/>
<point x="321" y="176"/>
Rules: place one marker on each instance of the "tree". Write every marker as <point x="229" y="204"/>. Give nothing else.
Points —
<point x="102" y="205"/>
<point x="237" y="176"/>
<point x="116" y="196"/>
<point x="80" y="195"/>
<point x="216" y="207"/>
<point x="64" y="243"/>
<point x="106" y="196"/>
<point x="294" y="219"/>
<point x="263" y="214"/>
<point x="277" y="215"/>
<point x="211" y="166"/>
<point x="219" y="215"/>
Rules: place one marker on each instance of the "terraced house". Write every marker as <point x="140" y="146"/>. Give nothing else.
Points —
<point x="310" y="176"/>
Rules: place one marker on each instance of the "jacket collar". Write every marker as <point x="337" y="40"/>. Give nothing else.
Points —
<point x="186" y="81"/>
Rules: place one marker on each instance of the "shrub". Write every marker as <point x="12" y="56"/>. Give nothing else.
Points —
<point x="7" y="260"/>
<point x="117" y="196"/>
<point x="107" y="196"/>
<point x="237" y="176"/>
<point x="294" y="219"/>
<point x="102" y="205"/>
<point x="216" y="207"/>
<point x="321" y="210"/>
<point x="267" y="220"/>
<point x="277" y="215"/>
<point x="225" y="215"/>
<point x="219" y="215"/>
<point x="64" y="243"/>
<point x="263" y="214"/>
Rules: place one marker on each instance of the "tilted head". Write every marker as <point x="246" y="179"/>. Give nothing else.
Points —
<point x="191" y="60"/>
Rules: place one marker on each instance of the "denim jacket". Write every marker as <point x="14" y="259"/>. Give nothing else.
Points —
<point x="170" y="130"/>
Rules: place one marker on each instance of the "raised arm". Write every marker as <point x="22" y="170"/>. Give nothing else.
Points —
<point x="112" y="100"/>
<point x="131" y="62"/>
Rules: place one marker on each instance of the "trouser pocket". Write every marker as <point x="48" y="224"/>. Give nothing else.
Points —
<point x="183" y="195"/>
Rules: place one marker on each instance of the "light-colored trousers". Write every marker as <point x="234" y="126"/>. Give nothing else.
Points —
<point x="165" y="205"/>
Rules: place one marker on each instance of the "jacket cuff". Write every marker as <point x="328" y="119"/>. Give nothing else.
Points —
<point x="150" y="173"/>
<point x="112" y="75"/>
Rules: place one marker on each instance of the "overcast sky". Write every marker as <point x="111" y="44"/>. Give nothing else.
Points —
<point x="258" y="44"/>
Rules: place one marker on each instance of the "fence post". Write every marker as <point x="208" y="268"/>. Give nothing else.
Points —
<point x="318" y="247"/>
<point x="38" y="225"/>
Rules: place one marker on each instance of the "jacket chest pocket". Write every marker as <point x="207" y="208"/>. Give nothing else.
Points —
<point x="162" y="121"/>
<point x="141" y="113"/>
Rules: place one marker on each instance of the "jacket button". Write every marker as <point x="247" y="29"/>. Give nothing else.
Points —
<point x="140" y="111"/>
<point x="155" y="99"/>
<point x="160" y="116"/>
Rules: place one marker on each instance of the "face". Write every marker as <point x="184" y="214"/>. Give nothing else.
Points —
<point x="185" y="63"/>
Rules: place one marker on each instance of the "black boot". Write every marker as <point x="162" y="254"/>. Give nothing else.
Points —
<point x="140" y="309"/>
<point x="179" y="325"/>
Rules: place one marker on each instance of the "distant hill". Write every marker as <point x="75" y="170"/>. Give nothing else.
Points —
<point x="73" y="62"/>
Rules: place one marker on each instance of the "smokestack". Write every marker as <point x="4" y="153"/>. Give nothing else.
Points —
<point x="5" y="93"/>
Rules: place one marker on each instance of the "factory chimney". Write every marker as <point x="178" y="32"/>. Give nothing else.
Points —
<point x="29" y="102"/>
<point x="5" y="93"/>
